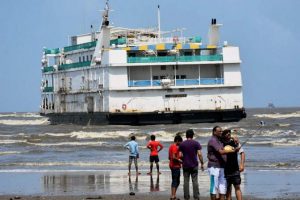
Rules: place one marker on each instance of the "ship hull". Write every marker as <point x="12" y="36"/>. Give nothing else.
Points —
<point x="99" y="118"/>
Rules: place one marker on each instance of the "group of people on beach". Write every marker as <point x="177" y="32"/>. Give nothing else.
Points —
<point x="223" y="164"/>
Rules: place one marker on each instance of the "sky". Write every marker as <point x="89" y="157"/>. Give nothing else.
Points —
<point x="267" y="32"/>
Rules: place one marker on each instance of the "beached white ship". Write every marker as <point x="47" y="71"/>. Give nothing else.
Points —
<point x="136" y="76"/>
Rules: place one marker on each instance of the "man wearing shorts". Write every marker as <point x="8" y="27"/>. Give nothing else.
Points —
<point x="133" y="148"/>
<point x="232" y="167"/>
<point x="216" y="162"/>
<point x="155" y="147"/>
<point x="175" y="165"/>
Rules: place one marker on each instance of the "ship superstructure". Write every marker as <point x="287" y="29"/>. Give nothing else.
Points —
<point x="135" y="76"/>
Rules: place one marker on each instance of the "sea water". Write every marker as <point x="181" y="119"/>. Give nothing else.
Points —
<point x="29" y="144"/>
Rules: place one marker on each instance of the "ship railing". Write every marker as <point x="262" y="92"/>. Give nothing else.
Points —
<point x="87" y="45"/>
<point x="52" y="51"/>
<point x="74" y="65"/>
<point x="178" y="82"/>
<point x="48" y="89"/>
<point x="48" y="69"/>
<point x="155" y="59"/>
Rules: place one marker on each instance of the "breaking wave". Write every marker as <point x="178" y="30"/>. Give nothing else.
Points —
<point x="278" y="115"/>
<point x="68" y="144"/>
<point x="42" y="121"/>
<point x="23" y="115"/>
<point x="9" y="153"/>
<point x="11" y="141"/>
<point x="276" y="142"/>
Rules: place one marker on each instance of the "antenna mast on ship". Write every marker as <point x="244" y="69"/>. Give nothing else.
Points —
<point x="158" y="19"/>
<point x="103" y="39"/>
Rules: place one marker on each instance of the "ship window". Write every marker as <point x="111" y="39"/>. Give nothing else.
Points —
<point x="131" y="54"/>
<point x="87" y="58"/>
<point x="79" y="59"/>
<point x="183" y="76"/>
<point x="188" y="53"/>
<point x="163" y="67"/>
<point x="181" y="90"/>
<point x="155" y="77"/>
<point x="91" y="57"/>
<point x="83" y="59"/>
<point x="162" y="77"/>
<point x="162" y="53"/>
<point x="174" y="67"/>
<point x="177" y="76"/>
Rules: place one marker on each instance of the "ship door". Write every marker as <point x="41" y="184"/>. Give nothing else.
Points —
<point x="90" y="104"/>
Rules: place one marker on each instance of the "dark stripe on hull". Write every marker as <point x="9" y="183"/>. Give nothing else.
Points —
<point x="147" y="118"/>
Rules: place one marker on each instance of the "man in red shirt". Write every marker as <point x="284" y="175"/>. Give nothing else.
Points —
<point x="153" y="146"/>
<point x="175" y="165"/>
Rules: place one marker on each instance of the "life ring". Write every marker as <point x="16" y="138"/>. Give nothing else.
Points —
<point x="124" y="106"/>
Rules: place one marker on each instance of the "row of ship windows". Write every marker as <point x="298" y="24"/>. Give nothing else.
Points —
<point x="85" y="58"/>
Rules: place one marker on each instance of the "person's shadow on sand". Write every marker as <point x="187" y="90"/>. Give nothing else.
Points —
<point x="154" y="188"/>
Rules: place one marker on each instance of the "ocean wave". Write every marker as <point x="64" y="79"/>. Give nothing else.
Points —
<point x="11" y="141"/>
<point x="122" y="164"/>
<point x="24" y="115"/>
<point x="276" y="142"/>
<point x="68" y="144"/>
<point x="278" y="115"/>
<point x="43" y="121"/>
<point x="9" y="152"/>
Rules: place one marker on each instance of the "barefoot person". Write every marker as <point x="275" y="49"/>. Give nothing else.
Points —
<point x="133" y="148"/>
<point x="175" y="165"/>
<point x="155" y="147"/>
<point x="232" y="167"/>
<point x="191" y="149"/>
<point x="216" y="162"/>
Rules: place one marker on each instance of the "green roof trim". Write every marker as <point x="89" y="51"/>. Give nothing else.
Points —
<point x="52" y="51"/>
<point x="74" y="65"/>
<point x="87" y="45"/>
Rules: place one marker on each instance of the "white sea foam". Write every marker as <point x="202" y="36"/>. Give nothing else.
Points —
<point x="68" y="144"/>
<point x="94" y="135"/>
<point x="11" y="141"/>
<point x="28" y="115"/>
<point x="277" y="142"/>
<point x="42" y="121"/>
<point x="278" y="115"/>
<point x="9" y="152"/>
<point x="82" y="164"/>
<point x="5" y="135"/>
<point x="110" y="135"/>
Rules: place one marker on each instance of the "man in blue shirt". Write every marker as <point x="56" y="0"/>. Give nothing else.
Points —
<point x="133" y="148"/>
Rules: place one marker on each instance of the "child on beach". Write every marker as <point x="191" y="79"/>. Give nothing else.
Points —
<point x="155" y="147"/>
<point x="175" y="165"/>
<point x="133" y="148"/>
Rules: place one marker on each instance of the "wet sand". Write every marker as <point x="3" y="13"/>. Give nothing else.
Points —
<point x="124" y="197"/>
<point x="113" y="185"/>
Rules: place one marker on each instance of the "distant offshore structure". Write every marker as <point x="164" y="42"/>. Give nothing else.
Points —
<point x="271" y="105"/>
<point x="142" y="76"/>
